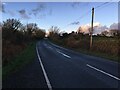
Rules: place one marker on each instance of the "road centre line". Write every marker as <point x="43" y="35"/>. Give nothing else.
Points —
<point x="103" y="72"/>
<point x="64" y="54"/>
<point x="50" y="47"/>
<point x="45" y="44"/>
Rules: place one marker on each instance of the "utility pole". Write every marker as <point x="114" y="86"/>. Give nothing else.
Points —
<point x="91" y="31"/>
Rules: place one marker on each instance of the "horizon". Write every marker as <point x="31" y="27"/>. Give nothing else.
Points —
<point x="47" y="14"/>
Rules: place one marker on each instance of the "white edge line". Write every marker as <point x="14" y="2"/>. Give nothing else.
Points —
<point x="63" y="54"/>
<point x="45" y="74"/>
<point x="103" y="72"/>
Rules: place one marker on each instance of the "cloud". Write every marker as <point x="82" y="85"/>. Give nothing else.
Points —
<point x="23" y="14"/>
<point x="84" y="28"/>
<point x="40" y="11"/>
<point x="4" y="3"/>
<point x="11" y="13"/>
<point x="75" y="4"/>
<point x="98" y="28"/>
<point x="2" y="7"/>
<point x="75" y="23"/>
<point x="40" y="8"/>
<point x="114" y="26"/>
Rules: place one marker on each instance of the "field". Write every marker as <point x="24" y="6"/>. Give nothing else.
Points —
<point x="106" y="47"/>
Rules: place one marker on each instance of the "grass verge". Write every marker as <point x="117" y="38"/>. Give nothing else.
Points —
<point x="92" y="53"/>
<point x="25" y="57"/>
<point x="99" y="54"/>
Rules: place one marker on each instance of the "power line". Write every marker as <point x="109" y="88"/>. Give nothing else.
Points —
<point x="87" y="13"/>
<point x="103" y="4"/>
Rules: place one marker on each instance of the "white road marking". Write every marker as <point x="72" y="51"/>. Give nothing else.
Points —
<point x="45" y="74"/>
<point x="50" y="47"/>
<point x="45" y="44"/>
<point x="103" y="72"/>
<point x="64" y="54"/>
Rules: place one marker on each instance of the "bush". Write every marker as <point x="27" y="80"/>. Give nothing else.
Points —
<point x="16" y="36"/>
<point x="101" y="44"/>
<point x="106" y="46"/>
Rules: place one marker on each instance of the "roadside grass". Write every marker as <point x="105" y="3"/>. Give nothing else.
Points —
<point x="25" y="57"/>
<point x="111" y="57"/>
<point x="114" y="58"/>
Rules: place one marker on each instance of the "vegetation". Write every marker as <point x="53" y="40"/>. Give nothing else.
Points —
<point x="103" y="46"/>
<point x="25" y="57"/>
<point x="16" y="37"/>
<point x="18" y="43"/>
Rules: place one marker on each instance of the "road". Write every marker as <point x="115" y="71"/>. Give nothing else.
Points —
<point x="68" y="69"/>
<point x="57" y="67"/>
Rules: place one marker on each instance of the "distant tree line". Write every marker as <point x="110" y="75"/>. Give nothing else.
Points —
<point x="80" y="41"/>
<point x="112" y="33"/>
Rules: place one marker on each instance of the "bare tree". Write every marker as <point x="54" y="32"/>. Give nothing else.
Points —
<point x="23" y="29"/>
<point x="79" y="30"/>
<point x="39" y="33"/>
<point x="11" y="24"/>
<point x="31" y="27"/>
<point x="54" y="33"/>
<point x="53" y="30"/>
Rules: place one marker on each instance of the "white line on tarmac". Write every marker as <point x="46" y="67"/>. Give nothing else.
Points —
<point x="103" y="72"/>
<point x="50" y="47"/>
<point x="64" y="54"/>
<point x="45" y="74"/>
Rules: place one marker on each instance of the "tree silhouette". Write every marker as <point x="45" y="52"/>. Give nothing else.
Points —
<point x="11" y="24"/>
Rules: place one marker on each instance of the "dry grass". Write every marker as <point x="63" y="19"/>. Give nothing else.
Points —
<point x="10" y="50"/>
<point x="107" y="47"/>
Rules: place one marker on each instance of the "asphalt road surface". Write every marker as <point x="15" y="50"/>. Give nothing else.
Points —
<point x="57" y="67"/>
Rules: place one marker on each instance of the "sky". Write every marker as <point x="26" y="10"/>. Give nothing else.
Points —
<point x="68" y="16"/>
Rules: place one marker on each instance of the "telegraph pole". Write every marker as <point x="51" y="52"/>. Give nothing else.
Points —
<point x="91" y="31"/>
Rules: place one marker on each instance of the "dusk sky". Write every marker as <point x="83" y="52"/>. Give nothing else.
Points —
<point x="67" y="16"/>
